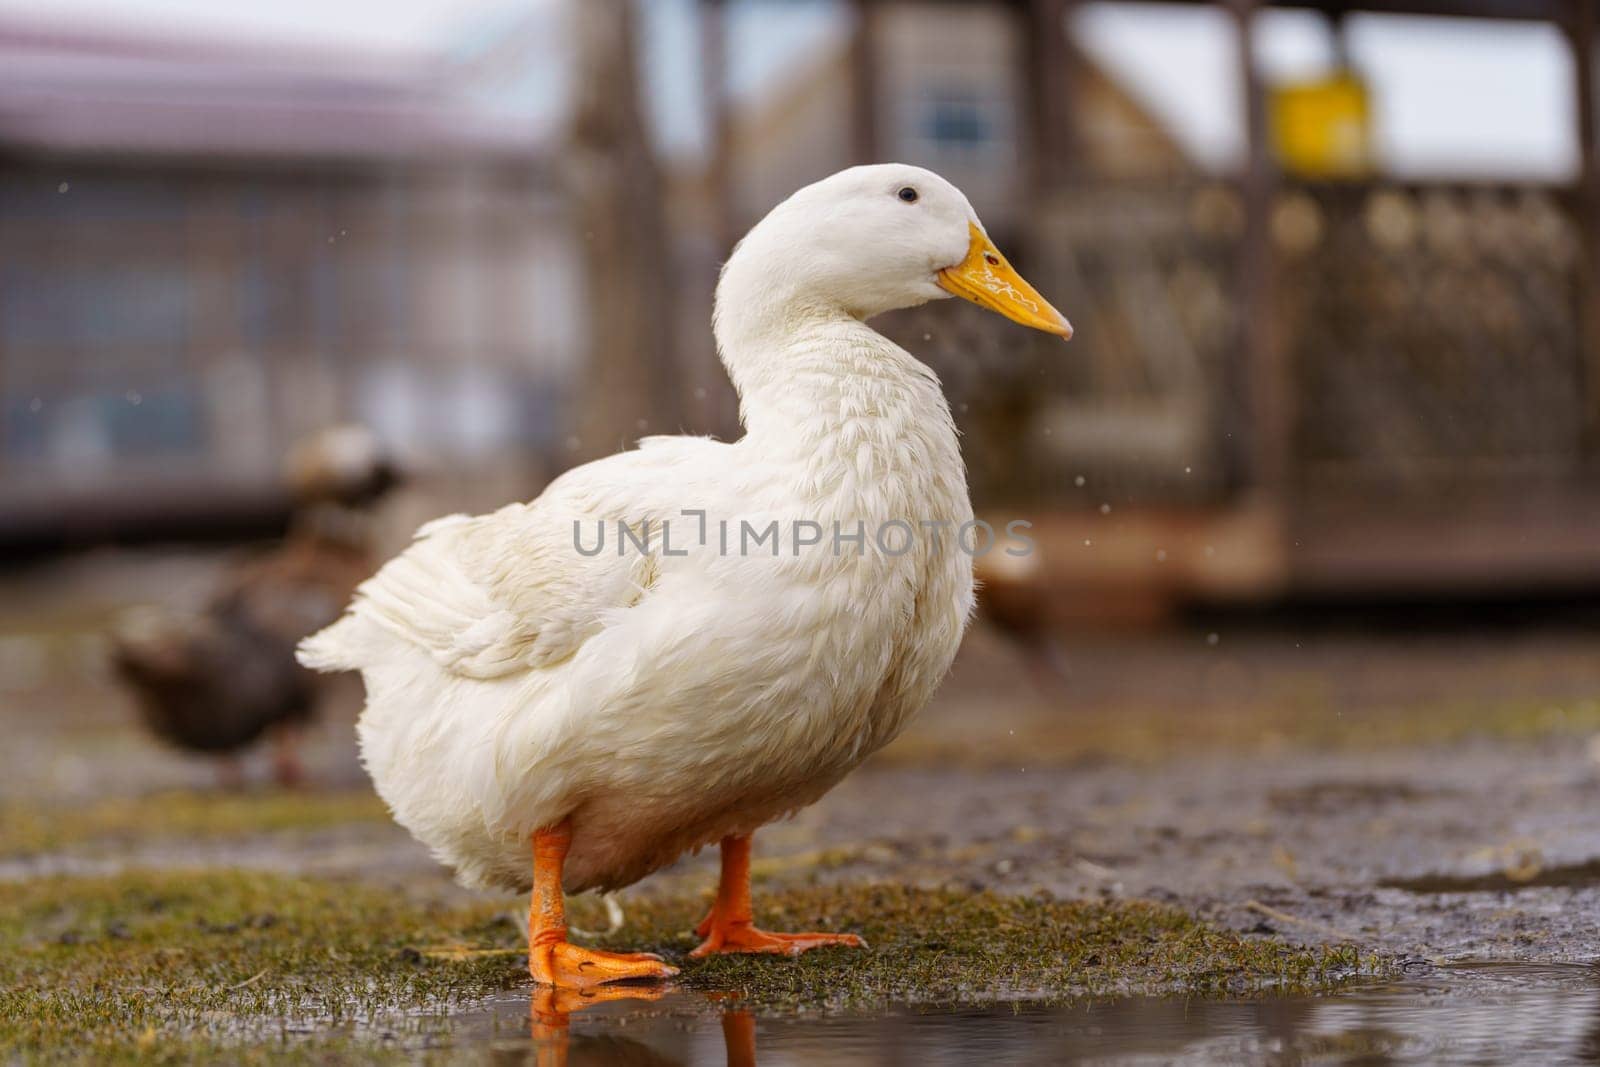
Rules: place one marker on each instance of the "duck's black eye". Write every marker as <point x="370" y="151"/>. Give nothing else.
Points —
<point x="908" y="194"/>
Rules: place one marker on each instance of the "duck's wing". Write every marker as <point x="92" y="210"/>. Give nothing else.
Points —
<point x="516" y="590"/>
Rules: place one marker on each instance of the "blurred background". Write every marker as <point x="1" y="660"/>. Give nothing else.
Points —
<point x="1333" y="268"/>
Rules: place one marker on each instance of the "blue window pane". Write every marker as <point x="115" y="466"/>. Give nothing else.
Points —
<point x="957" y="121"/>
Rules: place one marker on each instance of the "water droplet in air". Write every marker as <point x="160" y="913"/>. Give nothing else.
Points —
<point x="1212" y="639"/>
<point x="63" y="187"/>
<point x="1105" y="509"/>
<point x="1078" y="481"/>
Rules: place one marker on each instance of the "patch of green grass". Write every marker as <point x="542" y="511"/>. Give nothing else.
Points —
<point x="181" y="814"/>
<point x="241" y="966"/>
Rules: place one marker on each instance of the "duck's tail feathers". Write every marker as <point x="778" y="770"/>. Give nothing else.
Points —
<point x="347" y="645"/>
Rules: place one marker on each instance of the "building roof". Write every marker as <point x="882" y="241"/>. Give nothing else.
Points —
<point x="108" y="92"/>
<point x="1523" y="10"/>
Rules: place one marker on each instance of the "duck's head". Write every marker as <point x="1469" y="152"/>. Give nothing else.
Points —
<point x="873" y="239"/>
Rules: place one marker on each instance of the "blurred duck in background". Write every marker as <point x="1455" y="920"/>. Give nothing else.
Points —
<point x="218" y="680"/>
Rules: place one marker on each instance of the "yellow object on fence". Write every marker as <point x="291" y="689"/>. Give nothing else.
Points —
<point x="1322" y="128"/>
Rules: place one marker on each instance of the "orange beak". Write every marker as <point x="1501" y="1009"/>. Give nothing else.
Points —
<point x="986" y="279"/>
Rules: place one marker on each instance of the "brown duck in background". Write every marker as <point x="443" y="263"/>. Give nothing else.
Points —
<point x="219" y="680"/>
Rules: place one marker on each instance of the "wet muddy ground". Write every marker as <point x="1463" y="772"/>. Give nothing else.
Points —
<point x="1426" y="793"/>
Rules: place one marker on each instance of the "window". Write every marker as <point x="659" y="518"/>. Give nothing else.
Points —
<point x="956" y="121"/>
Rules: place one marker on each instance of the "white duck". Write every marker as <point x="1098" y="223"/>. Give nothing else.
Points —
<point x="614" y="709"/>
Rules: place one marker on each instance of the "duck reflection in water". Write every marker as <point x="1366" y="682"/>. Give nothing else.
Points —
<point x="552" y="1008"/>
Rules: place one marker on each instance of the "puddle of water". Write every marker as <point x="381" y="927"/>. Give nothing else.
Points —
<point x="1566" y="876"/>
<point x="1465" y="1013"/>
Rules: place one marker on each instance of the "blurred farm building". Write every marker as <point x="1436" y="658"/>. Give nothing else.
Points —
<point x="208" y="250"/>
<point x="1294" y="371"/>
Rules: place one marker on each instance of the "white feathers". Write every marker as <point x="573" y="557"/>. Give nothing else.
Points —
<point x="664" y="698"/>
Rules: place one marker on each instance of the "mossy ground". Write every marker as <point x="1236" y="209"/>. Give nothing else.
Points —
<point x="240" y="966"/>
<point x="950" y="947"/>
<point x="182" y="815"/>
<point x="175" y="964"/>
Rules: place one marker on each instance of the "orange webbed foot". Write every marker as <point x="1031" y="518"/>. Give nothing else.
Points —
<point x="743" y="937"/>
<point x="728" y="926"/>
<point x="567" y="966"/>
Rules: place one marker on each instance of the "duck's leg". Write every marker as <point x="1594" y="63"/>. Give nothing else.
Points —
<point x="730" y="928"/>
<point x="552" y="959"/>
<point x="230" y="773"/>
<point x="287" y="770"/>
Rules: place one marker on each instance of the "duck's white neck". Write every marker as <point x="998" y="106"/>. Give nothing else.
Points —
<point x="844" y="417"/>
<point x="803" y="361"/>
<point x="757" y="320"/>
